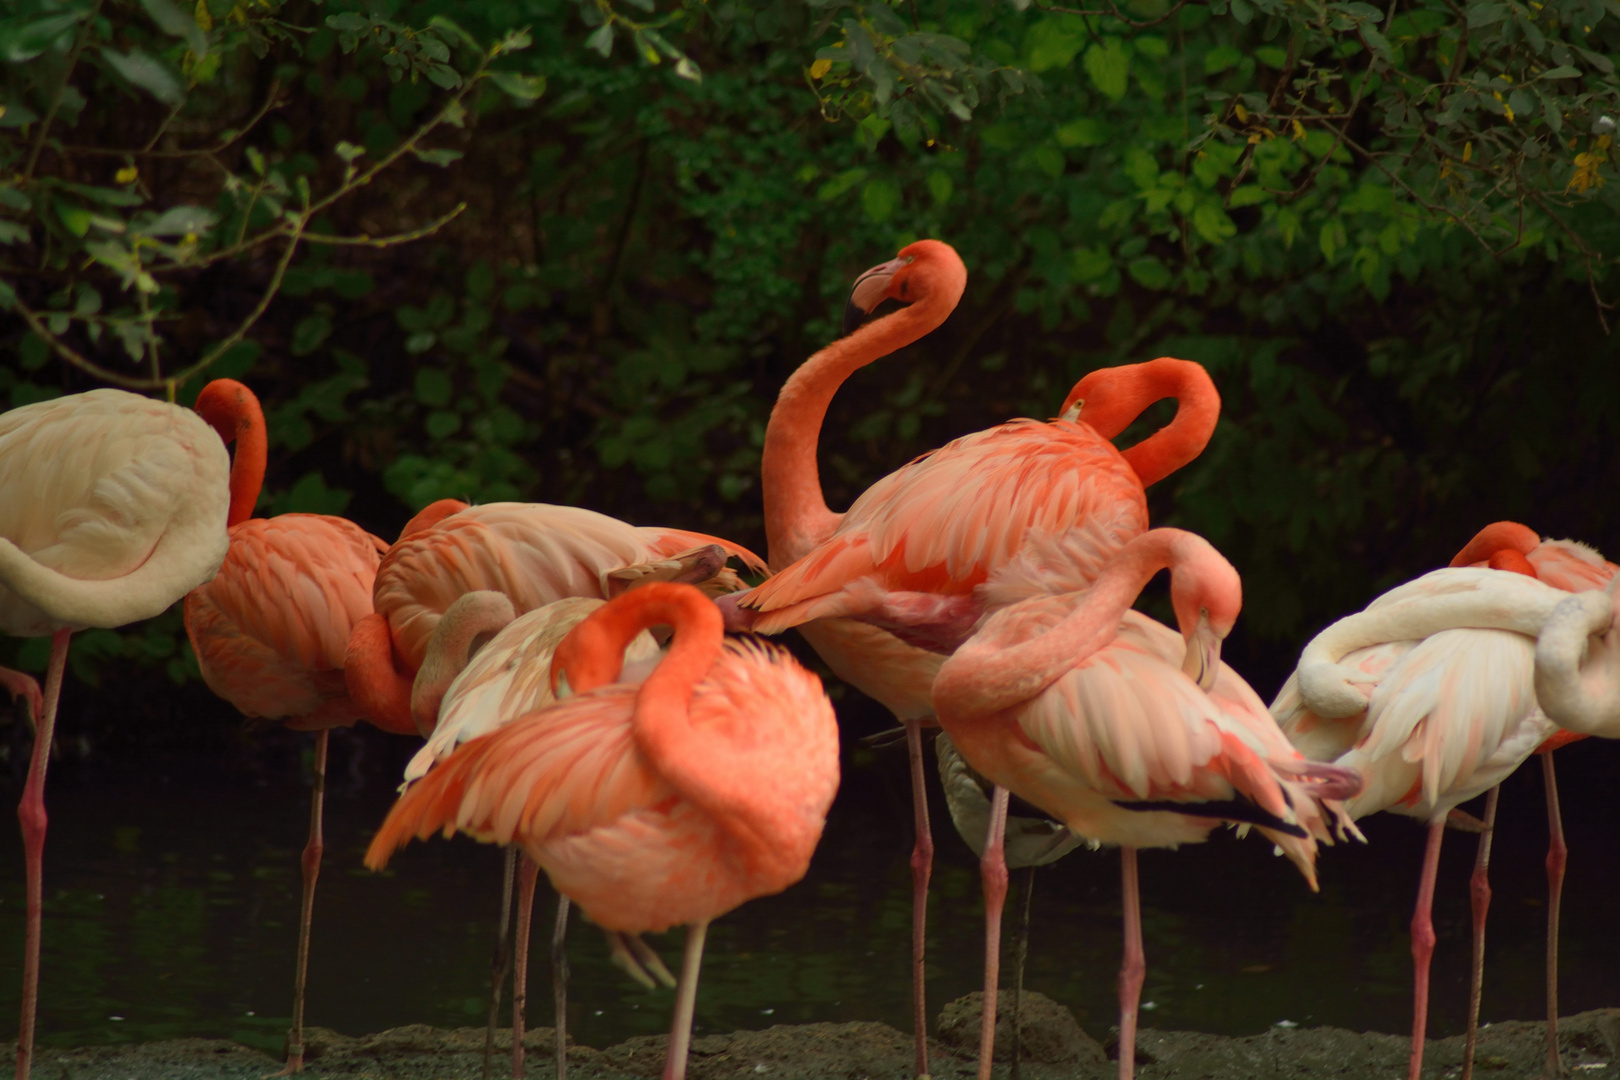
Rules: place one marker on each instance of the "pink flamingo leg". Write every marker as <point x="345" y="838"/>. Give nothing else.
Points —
<point x="922" y="863"/>
<point x="31" y="815"/>
<point x="559" y="985"/>
<point x="993" y="869"/>
<point x="24" y="686"/>
<point x="680" y="1032"/>
<point x="311" y="864"/>
<point x="1557" y="855"/>
<point x="1479" y="893"/>
<point x="520" y="960"/>
<point x="501" y="960"/>
<point x="1134" y="968"/>
<point x="1423" y="947"/>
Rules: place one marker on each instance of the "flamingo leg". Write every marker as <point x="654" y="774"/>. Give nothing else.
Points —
<point x="1134" y="969"/>
<point x="1020" y="956"/>
<point x="993" y="869"/>
<point x="311" y="864"/>
<point x="1557" y="855"/>
<point x="1423" y="947"/>
<point x="24" y="686"/>
<point x="680" y="1032"/>
<point x="520" y="960"/>
<point x="922" y="863"/>
<point x="1479" y="894"/>
<point x="31" y="816"/>
<point x="559" y="985"/>
<point x="502" y="959"/>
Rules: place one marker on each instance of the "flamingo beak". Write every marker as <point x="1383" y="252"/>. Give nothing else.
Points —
<point x="870" y="290"/>
<point x="1203" y="660"/>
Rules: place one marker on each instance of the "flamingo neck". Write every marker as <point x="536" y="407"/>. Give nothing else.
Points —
<point x="1499" y="536"/>
<point x="796" y="513"/>
<point x="233" y="410"/>
<point x="466" y="626"/>
<point x="1002" y="666"/>
<point x="1113" y="397"/>
<point x="375" y="682"/>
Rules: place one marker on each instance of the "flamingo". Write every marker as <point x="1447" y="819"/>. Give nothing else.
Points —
<point x="1429" y="693"/>
<point x="271" y="629"/>
<point x="672" y="801"/>
<point x="112" y="507"/>
<point x="485" y="666"/>
<point x="1124" y="731"/>
<point x="534" y="553"/>
<point x="941" y="521"/>
<point x="1573" y="567"/>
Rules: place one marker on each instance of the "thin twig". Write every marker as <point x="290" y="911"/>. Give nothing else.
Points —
<point x="56" y="102"/>
<point x="388" y="241"/>
<point x="1113" y="12"/>
<point x="270" y="102"/>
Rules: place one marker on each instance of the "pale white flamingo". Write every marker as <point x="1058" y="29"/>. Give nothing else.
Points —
<point x="112" y="507"/>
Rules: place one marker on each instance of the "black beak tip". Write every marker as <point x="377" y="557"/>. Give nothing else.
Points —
<point x="853" y="317"/>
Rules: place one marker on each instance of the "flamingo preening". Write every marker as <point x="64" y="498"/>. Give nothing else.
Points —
<point x="669" y="801"/>
<point x="112" y="507"/>
<point x="941" y="523"/>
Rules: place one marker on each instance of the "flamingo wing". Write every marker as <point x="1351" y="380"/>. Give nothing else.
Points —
<point x="943" y="522"/>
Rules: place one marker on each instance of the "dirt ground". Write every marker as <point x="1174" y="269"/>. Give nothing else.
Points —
<point x="1507" y="1051"/>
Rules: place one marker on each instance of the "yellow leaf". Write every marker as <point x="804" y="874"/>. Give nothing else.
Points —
<point x="1604" y="142"/>
<point x="1468" y="151"/>
<point x="1299" y="130"/>
<point x="1508" y="110"/>
<point x="204" y="17"/>
<point x="1242" y="113"/>
<point x="126" y="175"/>
<point x="819" y="69"/>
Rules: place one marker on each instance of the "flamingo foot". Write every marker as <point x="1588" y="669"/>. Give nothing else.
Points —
<point x="637" y="959"/>
<point x="528" y="871"/>
<point x="31" y="816"/>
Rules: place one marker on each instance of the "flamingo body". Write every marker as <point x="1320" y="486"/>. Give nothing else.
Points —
<point x="112" y="506"/>
<point x="270" y="631"/>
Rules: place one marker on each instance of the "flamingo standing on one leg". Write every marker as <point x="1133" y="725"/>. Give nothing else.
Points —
<point x="1574" y="567"/>
<point x="535" y="554"/>
<point x="672" y="801"/>
<point x="940" y="522"/>
<point x="271" y="629"/>
<point x="112" y="507"/>
<point x="1126" y="732"/>
<point x="1429" y="693"/>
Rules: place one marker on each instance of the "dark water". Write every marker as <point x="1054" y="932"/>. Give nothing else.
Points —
<point x="172" y="902"/>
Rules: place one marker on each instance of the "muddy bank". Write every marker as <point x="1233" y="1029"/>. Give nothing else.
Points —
<point x="1507" y="1051"/>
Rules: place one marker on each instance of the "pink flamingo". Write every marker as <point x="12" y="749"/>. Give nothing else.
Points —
<point x="484" y="667"/>
<point x="271" y="629"/>
<point x="1125" y="731"/>
<point x="941" y="522"/>
<point x="672" y="801"/>
<point x="1430" y="694"/>
<point x="112" y="507"/>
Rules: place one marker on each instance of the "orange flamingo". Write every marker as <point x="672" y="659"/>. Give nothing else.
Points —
<point x="1126" y="732"/>
<point x="940" y="522"/>
<point x="672" y="801"/>
<point x="112" y="507"/>
<point x="271" y="629"/>
<point x="1430" y="693"/>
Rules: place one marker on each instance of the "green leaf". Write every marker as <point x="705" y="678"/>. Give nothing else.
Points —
<point x="11" y="232"/>
<point x="11" y="197"/>
<point x="601" y="40"/>
<point x="1248" y="195"/>
<point x="1563" y="71"/>
<point x="450" y="28"/>
<point x="1485" y="14"/>
<point x="308" y="333"/>
<point x="442" y="424"/>
<point x="1150" y="273"/>
<point x="179" y="220"/>
<point x="433" y="387"/>
<point x="1086" y="131"/>
<point x="14" y="115"/>
<point x="146" y="73"/>
<point x="840" y="184"/>
<point x="177" y="23"/>
<point x="881" y="198"/>
<point x="1089" y="264"/>
<point x="523" y="88"/>
<point x="1049" y="160"/>
<point x="940" y="187"/>
<point x="445" y="76"/>
<point x="1109" y="68"/>
<point x="1377" y="44"/>
<point x="440" y="157"/>
<point x="1271" y="56"/>
<point x="25" y="37"/>
<point x="1052" y="43"/>
<point x="74" y="216"/>
<point x="311" y="496"/>
<point x="1220" y="58"/>
<point x="1211" y="223"/>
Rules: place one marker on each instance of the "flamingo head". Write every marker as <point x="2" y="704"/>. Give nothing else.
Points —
<point x="1207" y="595"/>
<point x="1495" y="539"/>
<point x="922" y="270"/>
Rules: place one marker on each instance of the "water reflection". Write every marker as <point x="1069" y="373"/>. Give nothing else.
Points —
<point x="172" y="905"/>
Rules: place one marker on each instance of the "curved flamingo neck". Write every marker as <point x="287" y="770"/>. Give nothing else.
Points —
<point x="796" y="513"/>
<point x="1513" y="562"/>
<point x="1111" y="398"/>
<point x="375" y="683"/>
<point x="233" y="410"/>
<point x="592" y="654"/>
<point x="1499" y="536"/>
<point x="1001" y="666"/>
<point x="466" y="626"/>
